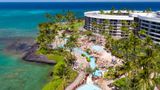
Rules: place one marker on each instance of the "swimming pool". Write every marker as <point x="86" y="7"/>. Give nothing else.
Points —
<point x="92" y="62"/>
<point x="97" y="73"/>
<point x="97" y="48"/>
<point x="88" y="87"/>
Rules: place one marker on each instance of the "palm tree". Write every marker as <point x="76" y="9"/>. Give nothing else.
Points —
<point x="71" y="42"/>
<point x="106" y="23"/>
<point x="69" y="16"/>
<point x="59" y="18"/>
<point x="134" y="25"/>
<point x="49" y="17"/>
<point x="95" y="25"/>
<point x="142" y="70"/>
<point x="125" y="27"/>
<point x="119" y="12"/>
<point x="112" y="10"/>
<point x="142" y="33"/>
<point x="102" y="12"/>
<point x="69" y="58"/>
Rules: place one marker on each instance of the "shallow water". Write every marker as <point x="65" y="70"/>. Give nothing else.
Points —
<point x="16" y="74"/>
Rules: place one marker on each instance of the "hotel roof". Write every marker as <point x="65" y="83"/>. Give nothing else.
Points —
<point x="96" y="14"/>
<point x="152" y="16"/>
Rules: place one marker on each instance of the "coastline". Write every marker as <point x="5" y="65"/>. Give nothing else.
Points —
<point x="25" y="49"/>
<point x="16" y="72"/>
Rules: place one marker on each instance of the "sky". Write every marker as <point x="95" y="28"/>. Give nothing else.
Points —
<point x="79" y="0"/>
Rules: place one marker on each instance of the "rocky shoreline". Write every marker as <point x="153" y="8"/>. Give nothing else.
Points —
<point x="25" y="48"/>
<point x="31" y="56"/>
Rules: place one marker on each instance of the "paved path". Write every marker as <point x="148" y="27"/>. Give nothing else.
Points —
<point x="76" y="82"/>
<point x="104" y="84"/>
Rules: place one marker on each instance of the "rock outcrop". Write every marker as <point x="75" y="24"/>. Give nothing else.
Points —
<point x="26" y="48"/>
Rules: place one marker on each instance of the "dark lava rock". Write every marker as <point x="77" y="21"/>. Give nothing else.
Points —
<point x="18" y="46"/>
<point x="32" y="57"/>
<point x="26" y="49"/>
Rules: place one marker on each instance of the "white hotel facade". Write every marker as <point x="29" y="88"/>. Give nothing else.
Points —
<point x="146" y="21"/>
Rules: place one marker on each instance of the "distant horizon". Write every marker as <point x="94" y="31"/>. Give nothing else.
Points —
<point x="76" y="2"/>
<point x="79" y="0"/>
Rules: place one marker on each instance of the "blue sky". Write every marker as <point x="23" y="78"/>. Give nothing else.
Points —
<point x="79" y="0"/>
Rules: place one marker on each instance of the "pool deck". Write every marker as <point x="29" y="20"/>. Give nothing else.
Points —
<point x="104" y="84"/>
<point x="77" y="81"/>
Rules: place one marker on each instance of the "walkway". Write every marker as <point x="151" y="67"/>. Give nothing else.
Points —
<point x="76" y="82"/>
<point x="104" y="84"/>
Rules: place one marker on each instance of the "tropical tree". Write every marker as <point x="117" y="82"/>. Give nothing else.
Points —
<point x="112" y="10"/>
<point x="49" y="17"/>
<point x="119" y="12"/>
<point x="106" y="23"/>
<point x="59" y="17"/>
<point x="102" y="12"/>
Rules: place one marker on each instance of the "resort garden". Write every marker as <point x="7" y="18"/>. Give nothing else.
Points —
<point x="128" y="63"/>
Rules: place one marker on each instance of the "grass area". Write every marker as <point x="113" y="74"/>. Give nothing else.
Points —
<point x="55" y="57"/>
<point x="63" y="74"/>
<point x="79" y="24"/>
<point x="76" y="25"/>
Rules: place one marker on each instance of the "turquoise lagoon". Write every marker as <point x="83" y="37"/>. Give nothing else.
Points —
<point x="16" y="74"/>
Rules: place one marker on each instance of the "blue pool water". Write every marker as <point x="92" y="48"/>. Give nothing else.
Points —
<point x="97" y="48"/>
<point x="98" y="73"/>
<point x="92" y="59"/>
<point x="88" y="87"/>
<point x="92" y="62"/>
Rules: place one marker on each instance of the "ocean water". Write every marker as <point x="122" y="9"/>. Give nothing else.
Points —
<point x="21" y="20"/>
<point x="16" y="74"/>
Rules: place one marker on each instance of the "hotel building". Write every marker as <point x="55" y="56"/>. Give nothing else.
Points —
<point x="146" y="21"/>
<point x="149" y="22"/>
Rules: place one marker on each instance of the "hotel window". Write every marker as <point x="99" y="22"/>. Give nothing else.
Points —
<point x="158" y="36"/>
<point x="155" y="39"/>
<point x="153" y="26"/>
<point x="145" y="21"/>
<point x="155" y="23"/>
<point x="145" y="25"/>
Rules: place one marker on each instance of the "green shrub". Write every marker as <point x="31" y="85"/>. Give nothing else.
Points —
<point x="89" y="70"/>
<point x="83" y="55"/>
<point x="157" y="80"/>
<point x="121" y="83"/>
<point x="110" y="74"/>
<point x="88" y="59"/>
<point x="88" y="50"/>
<point x="63" y="74"/>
